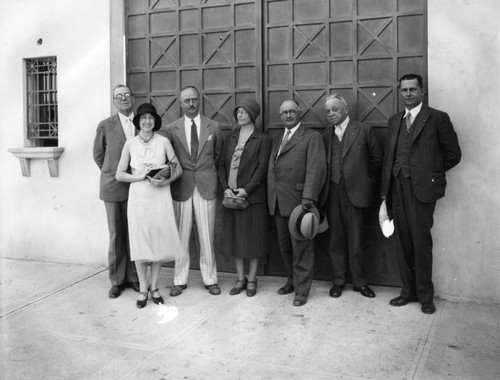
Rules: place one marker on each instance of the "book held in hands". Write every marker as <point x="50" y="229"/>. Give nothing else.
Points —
<point x="161" y="172"/>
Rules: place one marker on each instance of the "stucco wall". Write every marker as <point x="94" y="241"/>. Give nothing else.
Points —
<point x="55" y="219"/>
<point x="464" y="63"/>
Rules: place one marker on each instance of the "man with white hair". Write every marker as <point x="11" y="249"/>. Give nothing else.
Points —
<point x="354" y="161"/>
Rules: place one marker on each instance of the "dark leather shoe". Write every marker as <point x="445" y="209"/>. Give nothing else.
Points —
<point x="141" y="303"/>
<point x="238" y="287"/>
<point x="401" y="301"/>
<point x="252" y="288"/>
<point x="115" y="291"/>
<point x="428" y="308"/>
<point x="177" y="290"/>
<point x="365" y="291"/>
<point x="287" y="289"/>
<point x="299" y="300"/>
<point x="213" y="289"/>
<point x="336" y="291"/>
<point x="133" y="285"/>
<point x="158" y="299"/>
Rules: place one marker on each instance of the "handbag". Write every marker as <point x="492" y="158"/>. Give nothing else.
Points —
<point x="235" y="203"/>
<point x="164" y="171"/>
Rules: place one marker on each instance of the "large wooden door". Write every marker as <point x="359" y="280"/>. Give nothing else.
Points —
<point x="358" y="48"/>
<point x="274" y="50"/>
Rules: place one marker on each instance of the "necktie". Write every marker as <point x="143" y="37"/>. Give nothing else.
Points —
<point x="194" y="140"/>
<point x="408" y="122"/>
<point x="283" y="142"/>
<point x="338" y="132"/>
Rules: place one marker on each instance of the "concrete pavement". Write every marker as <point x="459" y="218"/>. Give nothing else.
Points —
<point x="57" y="322"/>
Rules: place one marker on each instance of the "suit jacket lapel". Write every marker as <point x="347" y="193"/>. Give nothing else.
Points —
<point x="350" y="134"/>
<point x="181" y="133"/>
<point x="296" y="137"/>
<point x="397" y="131"/>
<point x="275" y="147"/>
<point x="204" y="133"/>
<point x="330" y="142"/>
<point x="419" y="122"/>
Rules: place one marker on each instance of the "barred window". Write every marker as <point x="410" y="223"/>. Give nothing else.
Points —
<point x="41" y="97"/>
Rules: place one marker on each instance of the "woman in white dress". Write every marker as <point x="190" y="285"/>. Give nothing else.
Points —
<point x="154" y="237"/>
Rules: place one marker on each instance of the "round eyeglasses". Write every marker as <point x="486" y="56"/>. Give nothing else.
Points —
<point x="125" y="95"/>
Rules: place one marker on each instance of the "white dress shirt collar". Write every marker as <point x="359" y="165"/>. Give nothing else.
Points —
<point x="344" y="124"/>
<point x="197" y="120"/>
<point x="340" y="129"/>
<point x="127" y="125"/>
<point x="292" y="131"/>
<point x="414" y="112"/>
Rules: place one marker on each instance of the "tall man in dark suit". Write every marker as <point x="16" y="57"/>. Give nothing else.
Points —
<point x="108" y="144"/>
<point x="354" y="160"/>
<point x="297" y="172"/>
<point x="421" y="145"/>
<point x="197" y="143"/>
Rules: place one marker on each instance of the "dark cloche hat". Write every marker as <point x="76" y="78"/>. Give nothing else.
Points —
<point x="147" y="108"/>
<point x="249" y="105"/>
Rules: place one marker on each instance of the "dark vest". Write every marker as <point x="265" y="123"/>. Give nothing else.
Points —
<point x="336" y="159"/>
<point x="402" y="161"/>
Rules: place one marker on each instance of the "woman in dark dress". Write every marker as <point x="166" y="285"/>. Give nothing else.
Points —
<point x="242" y="173"/>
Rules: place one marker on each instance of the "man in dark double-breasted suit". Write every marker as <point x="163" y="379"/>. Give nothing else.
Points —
<point x="296" y="174"/>
<point x="108" y="144"/>
<point x="354" y="160"/>
<point x="421" y="145"/>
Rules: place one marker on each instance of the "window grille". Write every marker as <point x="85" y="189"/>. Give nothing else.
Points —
<point x="41" y="91"/>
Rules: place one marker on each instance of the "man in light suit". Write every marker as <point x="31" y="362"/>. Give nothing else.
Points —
<point x="197" y="143"/>
<point x="297" y="172"/>
<point x="421" y="145"/>
<point x="108" y="144"/>
<point x="354" y="160"/>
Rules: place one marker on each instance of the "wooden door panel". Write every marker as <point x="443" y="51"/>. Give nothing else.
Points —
<point x="312" y="106"/>
<point x="217" y="48"/>
<point x="309" y="74"/>
<point x="245" y="46"/>
<point x="163" y="52"/>
<point x="341" y="39"/>
<point x="277" y="44"/>
<point x="162" y="22"/>
<point x="374" y="7"/>
<point x="310" y="41"/>
<point x="272" y="50"/>
<point x="219" y="107"/>
<point x="245" y="78"/>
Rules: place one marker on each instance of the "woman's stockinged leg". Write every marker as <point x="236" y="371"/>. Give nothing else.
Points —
<point x="142" y="273"/>
<point x="240" y="268"/>
<point x="254" y="265"/>
<point x="155" y="274"/>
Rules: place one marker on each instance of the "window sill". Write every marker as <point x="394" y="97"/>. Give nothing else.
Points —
<point x="51" y="154"/>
